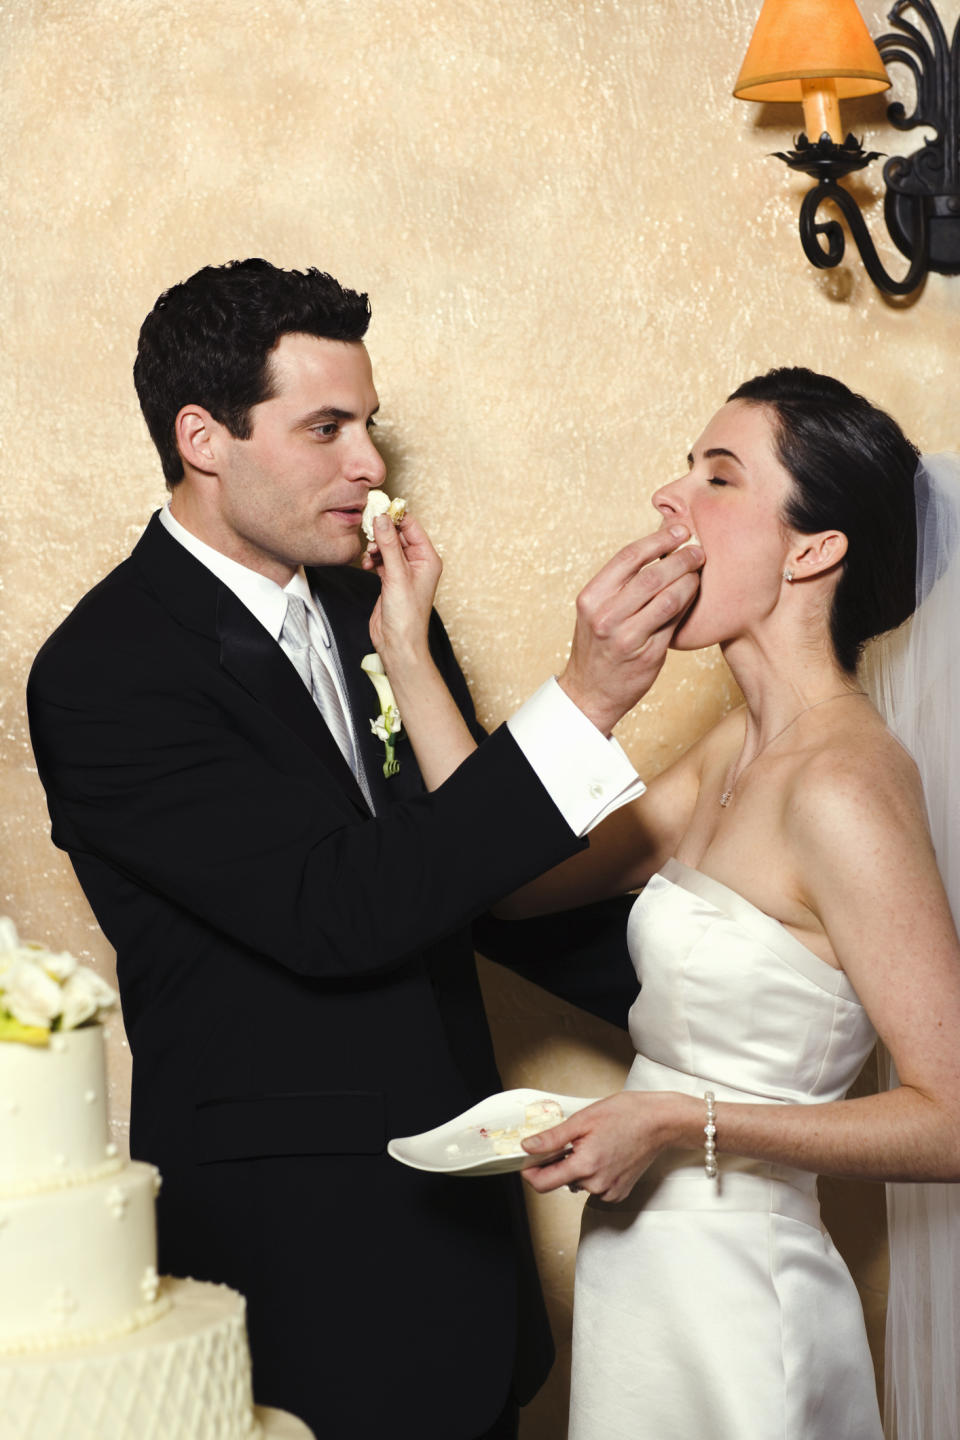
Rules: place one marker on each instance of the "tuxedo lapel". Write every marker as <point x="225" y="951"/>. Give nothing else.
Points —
<point x="256" y="662"/>
<point x="197" y="599"/>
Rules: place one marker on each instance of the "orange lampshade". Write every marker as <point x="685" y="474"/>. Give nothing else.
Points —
<point x="804" y="40"/>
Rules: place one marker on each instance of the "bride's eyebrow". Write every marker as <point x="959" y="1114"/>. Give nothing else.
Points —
<point x="717" y="453"/>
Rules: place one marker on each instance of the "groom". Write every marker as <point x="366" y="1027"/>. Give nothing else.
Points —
<point x="292" y="928"/>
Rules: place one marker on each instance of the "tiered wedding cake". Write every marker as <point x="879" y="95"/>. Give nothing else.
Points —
<point x="93" y="1345"/>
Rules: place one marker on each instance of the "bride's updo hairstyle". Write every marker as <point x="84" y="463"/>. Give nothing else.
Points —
<point x="853" y="470"/>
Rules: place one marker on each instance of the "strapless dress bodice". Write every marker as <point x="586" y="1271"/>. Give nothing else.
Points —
<point x="730" y="999"/>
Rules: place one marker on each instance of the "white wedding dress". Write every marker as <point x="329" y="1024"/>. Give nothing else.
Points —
<point x="720" y="1310"/>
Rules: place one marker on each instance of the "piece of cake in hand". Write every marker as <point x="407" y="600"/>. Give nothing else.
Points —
<point x="379" y="503"/>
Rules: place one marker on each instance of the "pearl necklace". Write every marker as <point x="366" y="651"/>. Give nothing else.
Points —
<point x="727" y="795"/>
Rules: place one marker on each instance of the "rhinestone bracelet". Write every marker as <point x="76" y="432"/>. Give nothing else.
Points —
<point x="710" y="1131"/>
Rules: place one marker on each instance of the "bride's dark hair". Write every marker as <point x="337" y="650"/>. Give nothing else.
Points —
<point x="853" y="470"/>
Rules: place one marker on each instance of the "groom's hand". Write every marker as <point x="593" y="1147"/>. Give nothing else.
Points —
<point x="626" y="617"/>
<point x="409" y="569"/>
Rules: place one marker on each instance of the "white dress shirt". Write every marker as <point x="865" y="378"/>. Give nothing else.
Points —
<point x="585" y="774"/>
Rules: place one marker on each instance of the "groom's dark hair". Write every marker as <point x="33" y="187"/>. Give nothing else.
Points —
<point x="208" y="342"/>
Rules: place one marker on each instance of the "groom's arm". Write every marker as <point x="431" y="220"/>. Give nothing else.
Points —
<point x="157" y="767"/>
<point x="580" y="955"/>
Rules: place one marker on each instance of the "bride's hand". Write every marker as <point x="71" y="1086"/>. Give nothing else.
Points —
<point x="409" y="570"/>
<point x="614" y="1141"/>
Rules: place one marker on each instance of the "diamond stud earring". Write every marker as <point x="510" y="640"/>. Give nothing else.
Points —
<point x="788" y="574"/>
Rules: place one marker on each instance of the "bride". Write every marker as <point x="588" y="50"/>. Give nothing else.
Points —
<point x="792" y="912"/>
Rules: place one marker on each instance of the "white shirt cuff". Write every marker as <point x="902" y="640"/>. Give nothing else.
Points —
<point x="586" y="775"/>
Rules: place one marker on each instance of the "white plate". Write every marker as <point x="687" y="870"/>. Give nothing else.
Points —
<point x="459" y="1147"/>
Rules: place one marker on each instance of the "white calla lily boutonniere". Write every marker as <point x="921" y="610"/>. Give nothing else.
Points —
<point x="388" y="725"/>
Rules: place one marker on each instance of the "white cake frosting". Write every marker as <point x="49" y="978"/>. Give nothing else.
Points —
<point x="186" y="1377"/>
<point x="78" y="1245"/>
<point x="93" y="1346"/>
<point x="79" y="1264"/>
<point x="53" y="1113"/>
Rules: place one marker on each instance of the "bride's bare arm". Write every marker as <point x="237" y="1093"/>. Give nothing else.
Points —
<point x="624" y="851"/>
<point x="636" y="840"/>
<point x="871" y="877"/>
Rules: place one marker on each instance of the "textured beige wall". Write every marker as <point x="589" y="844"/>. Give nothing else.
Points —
<point x="575" y="245"/>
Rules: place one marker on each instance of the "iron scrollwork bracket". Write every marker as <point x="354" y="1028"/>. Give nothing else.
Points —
<point x="922" y="202"/>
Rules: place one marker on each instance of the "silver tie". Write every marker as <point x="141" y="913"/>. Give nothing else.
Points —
<point x="295" y="640"/>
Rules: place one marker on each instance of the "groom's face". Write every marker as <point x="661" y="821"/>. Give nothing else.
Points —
<point x="293" y="493"/>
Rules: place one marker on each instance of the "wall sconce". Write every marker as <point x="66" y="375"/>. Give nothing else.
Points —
<point x="818" y="52"/>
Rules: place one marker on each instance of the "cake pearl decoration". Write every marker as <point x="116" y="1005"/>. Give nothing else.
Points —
<point x="150" y="1285"/>
<point x="90" y="1096"/>
<point x="110" y="1151"/>
<point x="116" y="1202"/>
<point x="58" y="1044"/>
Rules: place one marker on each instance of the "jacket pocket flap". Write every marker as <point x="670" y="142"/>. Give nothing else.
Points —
<point x="345" y="1122"/>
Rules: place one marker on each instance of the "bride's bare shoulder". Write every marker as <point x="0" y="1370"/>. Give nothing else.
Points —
<point x="858" y="780"/>
<point x="863" y="858"/>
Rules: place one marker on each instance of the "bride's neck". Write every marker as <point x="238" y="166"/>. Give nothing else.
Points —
<point x="778" y="687"/>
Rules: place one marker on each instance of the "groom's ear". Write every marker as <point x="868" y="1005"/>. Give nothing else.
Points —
<point x="817" y="554"/>
<point x="197" y="435"/>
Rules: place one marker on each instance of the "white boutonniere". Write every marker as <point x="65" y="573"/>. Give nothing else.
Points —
<point x="388" y="725"/>
<point x="41" y="992"/>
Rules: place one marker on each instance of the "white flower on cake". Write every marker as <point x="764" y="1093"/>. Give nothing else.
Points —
<point x="84" y="995"/>
<point x="42" y="992"/>
<point x="29" y="994"/>
<point x="388" y="722"/>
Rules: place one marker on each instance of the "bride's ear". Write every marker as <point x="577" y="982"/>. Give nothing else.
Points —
<point x="817" y="554"/>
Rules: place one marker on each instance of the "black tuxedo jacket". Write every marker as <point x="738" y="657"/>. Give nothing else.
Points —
<point x="298" y="984"/>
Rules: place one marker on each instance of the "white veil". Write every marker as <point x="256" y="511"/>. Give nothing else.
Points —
<point x="913" y="676"/>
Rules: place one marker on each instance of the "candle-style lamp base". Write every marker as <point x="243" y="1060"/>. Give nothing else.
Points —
<point x="819" y="52"/>
<point x="826" y="159"/>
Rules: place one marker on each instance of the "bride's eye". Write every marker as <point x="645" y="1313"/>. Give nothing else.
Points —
<point x="716" y="480"/>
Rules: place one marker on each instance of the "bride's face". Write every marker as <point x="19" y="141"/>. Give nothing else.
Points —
<point x="732" y="498"/>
